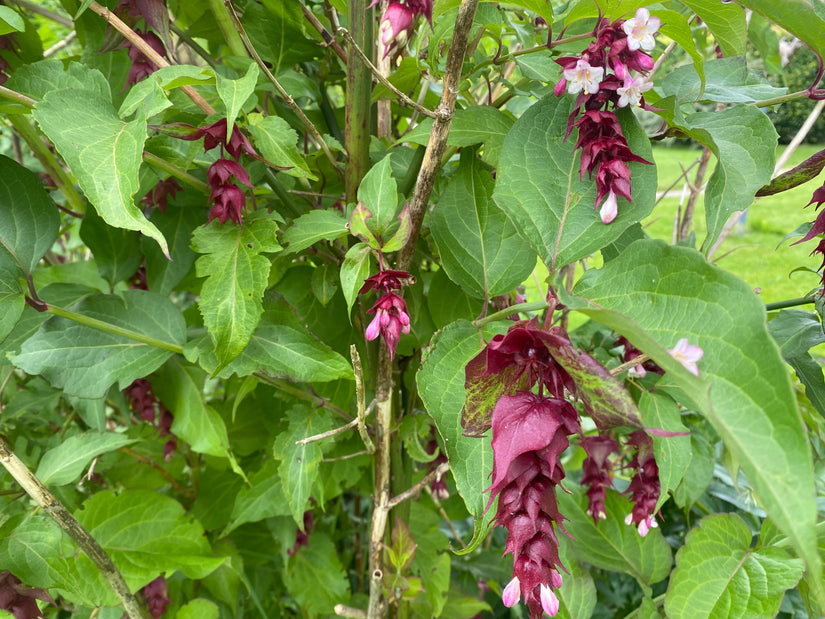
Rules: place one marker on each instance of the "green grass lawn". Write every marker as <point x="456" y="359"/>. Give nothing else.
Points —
<point x="752" y="251"/>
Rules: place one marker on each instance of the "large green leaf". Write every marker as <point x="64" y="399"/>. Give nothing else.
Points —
<point x="31" y="551"/>
<point x="104" y="153"/>
<point x="577" y="596"/>
<point x="116" y="250"/>
<point x="727" y="80"/>
<point x="799" y="17"/>
<point x="719" y="575"/>
<point x="441" y="386"/>
<point x="29" y="221"/>
<point x="65" y="463"/>
<point x="236" y="277"/>
<point x="480" y="248"/>
<point x="146" y="533"/>
<point x="354" y="272"/>
<point x="277" y="32"/>
<point x="264" y="499"/>
<point x="538" y="185"/>
<point x="40" y="78"/>
<point x="744" y="390"/>
<point x="85" y="361"/>
<point x="379" y="193"/>
<point x="316" y="578"/>
<point x="612" y="544"/>
<point x="726" y="20"/>
<point x="312" y="227"/>
<point x="177" y="225"/>
<point x="278" y="143"/>
<point x="479" y="124"/>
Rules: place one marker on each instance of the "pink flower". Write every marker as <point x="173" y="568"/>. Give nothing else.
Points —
<point x="396" y="26"/>
<point x="640" y="30"/>
<point x="583" y="77"/>
<point x="631" y="92"/>
<point x="549" y="601"/>
<point x="610" y="209"/>
<point x="687" y="354"/>
<point x="512" y="593"/>
<point x="391" y="320"/>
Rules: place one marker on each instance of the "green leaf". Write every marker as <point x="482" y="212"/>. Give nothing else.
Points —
<point x="38" y="79"/>
<point x="236" y="278"/>
<point x="379" y="193"/>
<point x="265" y="499"/>
<point x="29" y="221"/>
<point x="673" y="453"/>
<point x="32" y="551"/>
<point x="146" y="533"/>
<point x="538" y="185"/>
<point x="116" y="251"/>
<point x="277" y="32"/>
<point x="104" y="153"/>
<point x="12" y="302"/>
<point x="234" y="93"/>
<point x="440" y="383"/>
<point x="64" y="463"/>
<point x="799" y="17"/>
<point x="406" y="78"/>
<point x="354" y="271"/>
<point x="675" y="26"/>
<point x="199" y="608"/>
<point x="577" y="596"/>
<point x="180" y="387"/>
<point x="299" y="463"/>
<point x="750" y="404"/>
<point x="700" y="472"/>
<point x="10" y="21"/>
<point x="316" y="578"/>
<point x="718" y="574"/>
<point x="152" y="88"/>
<point x="613" y="545"/>
<point x="727" y="80"/>
<point x="313" y="227"/>
<point x="480" y="248"/>
<point x="726" y="20"/>
<point x="479" y="124"/>
<point x="86" y="361"/>
<point x="324" y="283"/>
<point x="177" y="225"/>
<point x="277" y="142"/>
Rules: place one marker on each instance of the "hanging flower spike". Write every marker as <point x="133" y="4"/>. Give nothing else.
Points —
<point x="640" y="30"/>
<point x="156" y="594"/>
<point x="597" y="472"/>
<point x="687" y="354"/>
<point x="141" y="66"/>
<point x="644" y="488"/>
<point x="391" y="320"/>
<point x="529" y="435"/>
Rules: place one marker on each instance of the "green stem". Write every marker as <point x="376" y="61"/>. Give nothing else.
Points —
<point x="802" y="94"/>
<point x="358" y="104"/>
<point x="181" y="175"/>
<point x="49" y="161"/>
<point x="777" y="305"/>
<point x="224" y="20"/>
<point x="113" y="329"/>
<point x="295" y="392"/>
<point x="533" y="306"/>
<point x="16" y="97"/>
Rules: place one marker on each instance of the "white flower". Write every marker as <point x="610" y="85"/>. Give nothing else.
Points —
<point x="687" y="355"/>
<point x="640" y="30"/>
<point x="583" y="77"/>
<point x="631" y="92"/>
<point x="609" y="209"/>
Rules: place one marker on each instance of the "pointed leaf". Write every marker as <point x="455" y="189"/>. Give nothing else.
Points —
<point x="402" y="235"/>
<point x="313" y="227"/>
<point x="236" y="278"/>
<point x="40" y="78"/>
<point x="354" y="271"/>
<point x="379" y="193"/>
<point x="234" y="93"/>
<point x="265" y="499"/>
<point x="480" y="248"/>
<point x="727" y="80"/>
<point x="718" y="574"/>
<point x="64" y="463"/>
<point x="726" y="20"/>
<point x="86" y="361"/>
<point x="277" y="142"/>
<point x="358" y="226"/>
<point x="32" y="551"/>
<point x="750" y="404"/>
<point x="104" y="153"/>
<point x="538" y="185"/>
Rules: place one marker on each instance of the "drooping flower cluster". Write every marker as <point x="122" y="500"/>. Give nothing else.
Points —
<point x="156" y="594"/>
<point x="143" y="401"/>
<point x="597" y="472"/>
<point x="609" y="73"/>
<point x="227" y="198"/>
<point x="817" y="228"/>
<point x="391" y="316"/>
<point x="530" y="433"/>
<point x="158" y="196"/>
<point x="644" y="488"/>
<point x="302" y="536"/>
<point x="20" y="600"/>
<point x="141" y="66"/>
<point x="438" y="486"/>
<point x="398" y="22"/>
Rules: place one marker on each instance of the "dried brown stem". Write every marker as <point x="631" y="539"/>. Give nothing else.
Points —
<point x="64" y="519"/>
<point x="328" y="38"/>
<point x="434" y="475"/>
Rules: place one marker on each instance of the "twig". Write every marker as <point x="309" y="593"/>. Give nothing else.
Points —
<point x="327" y="36"/>
<point x="320" y="437"/>
<point x="16" y="97"/>
<point x="64" y="519"/>
<point x="376" y="603"/>
<point x="145" y="49"/>
<point x="313" y="130"/>
<point x="60" y="44"/>
<point x="383" y="80"/>
<point x="347" y="457"/>
<point x="44" y="12"/>
<point x="361" y="399"/>
<point x="348" y="611"/>
<point x="532" y="306"/>
<point x="172" y="170"/>
<point x="433" y="475"/>
<point x="629" y="364"/>
<point x="445" y="516"/>
<point x="687" y="218"/>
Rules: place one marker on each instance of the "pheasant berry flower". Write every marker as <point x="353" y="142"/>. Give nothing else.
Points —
<point x="597" y="473"/>
<point x="583" y="77"/>
<point x="640" y="30"/>
<point x="687" y="354"/>
<point x="391" y="320"/>
<point x="644" y="488"/>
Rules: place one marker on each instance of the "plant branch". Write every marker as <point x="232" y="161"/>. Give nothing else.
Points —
<point x="329" y="40"/>
<point x="778" y="305"/>
<point x="320" y="437"/>
<point x="154" y="465"/>
<point x="533" y="306"/>
<point x="793" y="96"/>
<point x="629" y="364"/>
<point x="64" y="519"/>
<point x="313" y="130"/>
<point x="434" y="475"/>
<point x="145" y="49"/>
<point x="16" y="97"/>
<point x="223" y="13"/>
<point x="360" y="398"/>
<point x="172" y="170"/>
<point x="383" y="80"/>
<point x="113" y="329"/>
<point x="295" y="392"/>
